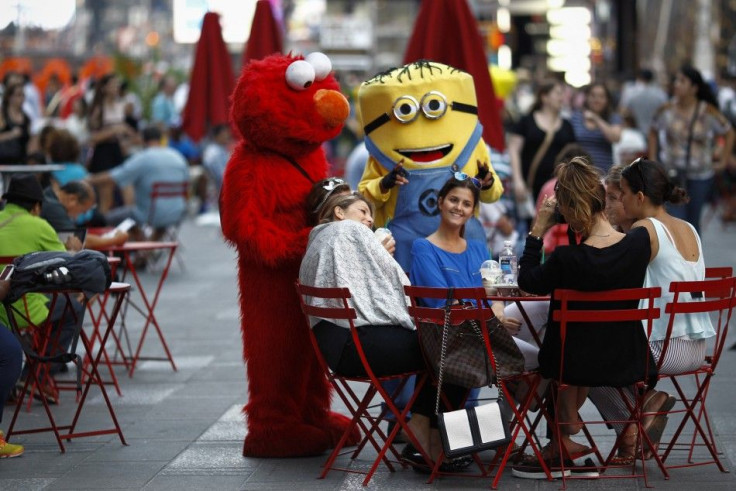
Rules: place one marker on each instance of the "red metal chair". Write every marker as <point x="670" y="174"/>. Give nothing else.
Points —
<point x="37" y="370"/>
<point x="591" y="308"/>
<point x="166" y="191"/>
<point x="718" y="272"/>
<point x="481" y="315"/>
<point x="358" y="406"/>
<point x="716" y="298"/>
<point x="36" y="340"/>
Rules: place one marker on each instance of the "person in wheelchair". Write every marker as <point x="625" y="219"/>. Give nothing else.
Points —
<point x="343" y="252"/>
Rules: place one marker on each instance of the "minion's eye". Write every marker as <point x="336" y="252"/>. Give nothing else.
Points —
<point x="300" y="75"/>
<point x="434" y="104"/>
<point x="406" y="109"/>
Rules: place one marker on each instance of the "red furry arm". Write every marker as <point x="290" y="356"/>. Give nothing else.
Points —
<point x="263" y="217"/>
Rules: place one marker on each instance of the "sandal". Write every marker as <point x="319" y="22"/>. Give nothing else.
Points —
<point x="622" y="460"/>
<point x="655" y="429"/>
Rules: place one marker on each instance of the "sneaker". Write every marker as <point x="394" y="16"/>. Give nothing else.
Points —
<point x="534" y="470"/>
<point x="8" y="450"/>
<point x="586" y="470"/>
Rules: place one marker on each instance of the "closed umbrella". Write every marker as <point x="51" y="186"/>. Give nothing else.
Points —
<point x="265" y="34"/>
<point x="210" y="83"/>
<point x="446" y="31"/>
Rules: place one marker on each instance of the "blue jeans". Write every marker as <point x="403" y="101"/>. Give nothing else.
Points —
<point x="11" y="360"/>
<point x="699" y="191"/>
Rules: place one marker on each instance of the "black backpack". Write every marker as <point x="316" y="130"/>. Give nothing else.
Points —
<point x="47" y="271"/>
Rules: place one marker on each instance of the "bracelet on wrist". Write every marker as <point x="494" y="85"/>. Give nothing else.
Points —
<point x="536" y="237"/>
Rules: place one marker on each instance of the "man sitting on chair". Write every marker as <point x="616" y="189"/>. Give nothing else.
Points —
<point x="63" y="204"/>
<point x="22" y="231"/>
<point x="155" y="163"/>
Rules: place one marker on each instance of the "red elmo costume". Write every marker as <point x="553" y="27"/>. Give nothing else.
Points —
<point x="262" y="208"/>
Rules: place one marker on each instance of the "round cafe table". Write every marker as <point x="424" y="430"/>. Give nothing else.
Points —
<point x="520" y="300"/>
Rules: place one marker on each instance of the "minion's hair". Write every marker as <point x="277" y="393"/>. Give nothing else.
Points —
<point x="397" y="73"/>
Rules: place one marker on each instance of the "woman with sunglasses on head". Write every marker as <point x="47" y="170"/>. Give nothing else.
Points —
<point x="676" y="255"/>
<point x="447" y="259"/>
<point x="683" y="136"/>
<point x="321" y="192"/>
<point x="343" y="252"/>
<point x="605" y="260"/>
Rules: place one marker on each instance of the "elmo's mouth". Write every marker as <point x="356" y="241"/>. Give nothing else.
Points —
<point x="426" y="154"/>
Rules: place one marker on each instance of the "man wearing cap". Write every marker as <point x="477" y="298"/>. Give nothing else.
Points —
<point x="22" y="230"/>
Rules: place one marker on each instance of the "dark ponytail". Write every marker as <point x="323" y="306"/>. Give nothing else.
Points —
<point x="650" y="178"/>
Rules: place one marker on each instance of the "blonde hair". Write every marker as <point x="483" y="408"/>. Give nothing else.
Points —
<point x="580" y="194"/>
<point x="614" y="175"/>
<point x="327" y="212"/>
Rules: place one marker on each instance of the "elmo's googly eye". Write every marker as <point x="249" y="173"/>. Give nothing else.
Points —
<point x="300" y="75"/>
<point x="406" y="109"/>
<point x="434" y="104"/>
<point x="321" y="63"/>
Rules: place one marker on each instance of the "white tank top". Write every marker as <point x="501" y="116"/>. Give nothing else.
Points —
<point x="668" y="266"/>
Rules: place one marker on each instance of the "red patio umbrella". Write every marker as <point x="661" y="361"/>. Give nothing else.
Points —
<point x="446" y="31"/>
<point x="265" y="34"/>
<point x="210" y="83"/>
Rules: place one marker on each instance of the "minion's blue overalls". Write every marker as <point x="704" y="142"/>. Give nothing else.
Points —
<point x="416" y="214"/>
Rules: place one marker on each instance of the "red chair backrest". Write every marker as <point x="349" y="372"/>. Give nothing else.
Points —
<point x="345" y="312"/>
<point x="565" y="315"/>
<point x="718" y="272"/>
<point x="713" y="296"/>
<point x="437" y="315"/>
<point x="167" y="190"/>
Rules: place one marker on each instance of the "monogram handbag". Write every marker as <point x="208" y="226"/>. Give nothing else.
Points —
<point x="457" y="353"/>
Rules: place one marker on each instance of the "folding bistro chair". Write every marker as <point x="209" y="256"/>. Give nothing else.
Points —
<point x="593" y="308"/>
<point x="716" y="298"/>
<point x="481" y="315"/>
<point x="38" y="368"/>
<point x="162" y="190"/>
<point x="359" y="407"/>
<point x="718" y="272"/>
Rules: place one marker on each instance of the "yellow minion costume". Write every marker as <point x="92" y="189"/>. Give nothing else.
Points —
<point x="423" y="116"/>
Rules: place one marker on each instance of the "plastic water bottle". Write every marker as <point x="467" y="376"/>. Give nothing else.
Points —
<point x="508" y="263"/>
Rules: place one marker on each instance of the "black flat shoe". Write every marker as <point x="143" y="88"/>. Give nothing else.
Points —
<point x="413" y="457"/>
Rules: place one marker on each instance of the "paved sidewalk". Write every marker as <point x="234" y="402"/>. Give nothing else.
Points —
<point x="185" y="430"/>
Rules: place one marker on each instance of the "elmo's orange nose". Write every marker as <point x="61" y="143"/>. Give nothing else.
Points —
<point x="332" y="106"/>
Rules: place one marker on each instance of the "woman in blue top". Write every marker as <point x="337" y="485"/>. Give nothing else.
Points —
<point x="446" y="258"/>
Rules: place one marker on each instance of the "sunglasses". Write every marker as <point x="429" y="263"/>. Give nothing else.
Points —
<point x="635" y="165"/>
<point x="330" y="186"/>
<point x="462" y="176"/>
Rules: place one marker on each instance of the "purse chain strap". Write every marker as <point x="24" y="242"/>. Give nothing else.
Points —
<point x="443" y="350"/>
